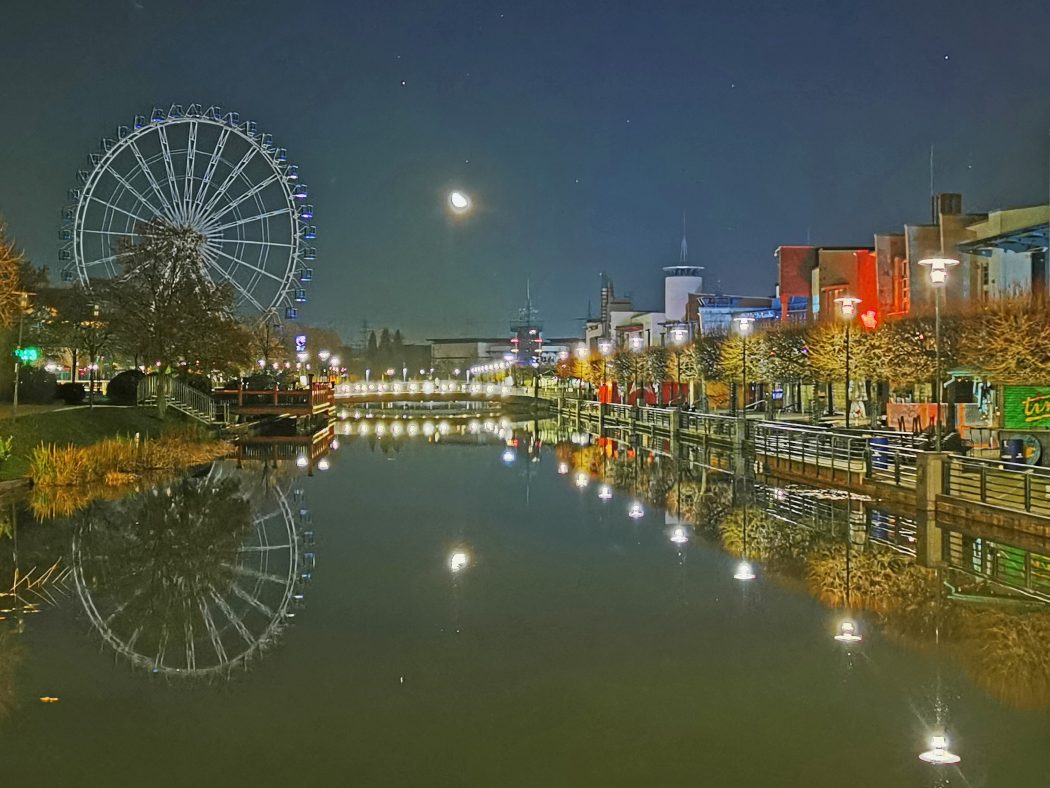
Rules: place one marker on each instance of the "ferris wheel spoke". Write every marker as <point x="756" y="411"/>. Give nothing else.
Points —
<point x="169" y="211"/>
<point x="169" y="170"/>
<point x="253" y="601"/>
<point x="253" y="243"/>
<point x="162" y="647"/>
<point x="255" y="574"/>
<point x="118" y="209"/>
<point x="123" y="182"/>
<point x="250" y="219"/>
<point x="191" y="155"/>
<point x="231" y="616"/>
<point x="230" y="179"/>
<point x="213" y="632"/>
<point x="255" y="268"/>
<point x="209" y="172"/>
<point x="110" y="258"/>
<point x="256" y="189"/>
<point x="226" y="275"/>
<point x="263" y="548"/>
<point x="191" y="646"/>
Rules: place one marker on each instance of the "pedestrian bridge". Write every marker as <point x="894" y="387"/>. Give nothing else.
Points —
<point x="430" y="391"/>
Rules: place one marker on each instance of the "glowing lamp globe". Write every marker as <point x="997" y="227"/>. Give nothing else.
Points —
<point x="323" y="464"/>
<point x="636" y="511"/>
<point x="679" y="535"/>
<point x="938" y="269"/>
<point x="581" y="480"/>
<point x="563" y="468"/>
<point x="302" y="461"/>
<point x="605" y="492"/>
<point x="939" y="754"/>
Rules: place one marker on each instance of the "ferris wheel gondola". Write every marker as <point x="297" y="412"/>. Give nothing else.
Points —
<point x="204" y="170"/>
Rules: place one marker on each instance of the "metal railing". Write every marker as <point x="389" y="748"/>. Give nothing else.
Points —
<point x="180" y="396"/>
<point x="1013" y="567"/>
<point x="896" y="465"/>
<point x="712" y="425"/>
<point x="425" y="388"/>
<point x="809" y="447"/>
<point x="1009" y="485"/>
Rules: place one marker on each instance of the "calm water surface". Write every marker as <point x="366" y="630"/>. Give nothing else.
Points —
<point x="578" y="647"/>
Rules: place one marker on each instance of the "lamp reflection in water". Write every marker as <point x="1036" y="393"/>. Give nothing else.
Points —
<point x="636" y="511"/>
<point x="848" y="633"/>
<point x="605" y="492"/>
<point x="679" y="535"/>
<point x="939" y="754"/>
<point x="582" y="480"/>
<point x="323" y="464"/>
<point x="563" y="468"/>
<point x="302" y="461"/>
<point x="458" y="561"/>
<point x="744" y="571"/>
<point x="508" y="455"/>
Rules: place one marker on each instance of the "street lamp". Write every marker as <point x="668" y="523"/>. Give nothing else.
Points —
<point x="848" y="310"/>
<point x="744" y="324"/>
<point x="938" y="279"/>
<point x="679" y="336"/>
<point x="605" y="347"/>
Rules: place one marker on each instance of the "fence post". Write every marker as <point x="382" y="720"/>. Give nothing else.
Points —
<point x="1028" y="492"/>
<point x="984" y="483"/>
<point x="929" y="480"/>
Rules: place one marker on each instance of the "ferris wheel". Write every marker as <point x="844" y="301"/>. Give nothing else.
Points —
<point x="206" y="171"/>
<point x="173" y="603"/>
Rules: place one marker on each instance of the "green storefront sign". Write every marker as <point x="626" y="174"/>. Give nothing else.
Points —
<point x="1026" y="408"/>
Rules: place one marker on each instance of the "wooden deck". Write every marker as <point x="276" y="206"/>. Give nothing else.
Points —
<point x="277" y="402"/>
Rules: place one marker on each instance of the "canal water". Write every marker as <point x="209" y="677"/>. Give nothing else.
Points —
<point x="474" y="607"/>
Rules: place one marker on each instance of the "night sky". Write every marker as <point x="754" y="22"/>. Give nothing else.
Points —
<point x="581" y="129"/>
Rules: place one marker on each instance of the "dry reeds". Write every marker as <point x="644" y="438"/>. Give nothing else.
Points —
<point x="118" y="460"/>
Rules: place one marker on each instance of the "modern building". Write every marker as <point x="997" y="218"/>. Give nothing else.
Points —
<point x="948" y="229"/>
<point x="1007" y="253"/>
<point x="713" y="313"/>
<point x="810" y="278"/>
<point x="680" y="281"/>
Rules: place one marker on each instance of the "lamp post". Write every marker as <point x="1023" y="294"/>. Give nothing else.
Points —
<point x="938" y="279"/>
<point x="582" y="352"/>
<point x="848" y="310"/>
<point x="679" y="336"/>
<point x="23" y="307"/>
<point x="604" y="348"/>
<point x="744" y="323"/>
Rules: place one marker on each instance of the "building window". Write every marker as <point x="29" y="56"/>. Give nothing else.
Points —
<point x="901" y="286"/>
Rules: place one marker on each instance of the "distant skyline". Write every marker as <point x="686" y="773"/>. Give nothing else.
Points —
<point x="581" y="131"/>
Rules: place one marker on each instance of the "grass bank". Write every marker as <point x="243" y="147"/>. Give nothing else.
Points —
<point x="77" y="427"/>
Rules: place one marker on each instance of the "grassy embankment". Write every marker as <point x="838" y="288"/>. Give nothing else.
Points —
<point x="82" y="427"/>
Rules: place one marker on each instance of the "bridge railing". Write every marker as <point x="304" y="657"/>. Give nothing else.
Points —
<point x="1009" y="485"/>
<point x="1014" y="567"/>
<point x="896" y="465"/>
<point x="425" y="388"/>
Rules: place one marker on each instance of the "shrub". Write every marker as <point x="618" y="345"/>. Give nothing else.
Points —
<point x="71" y="393"/>
<point x="199" y="382"/>
<point x="260" y="381"/>
<point x="5" y="449"/>
<point x="37" y="385"/>
<point x="123" y="388"/>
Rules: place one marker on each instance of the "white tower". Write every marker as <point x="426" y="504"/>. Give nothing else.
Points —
<point x="679" y="281"/>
